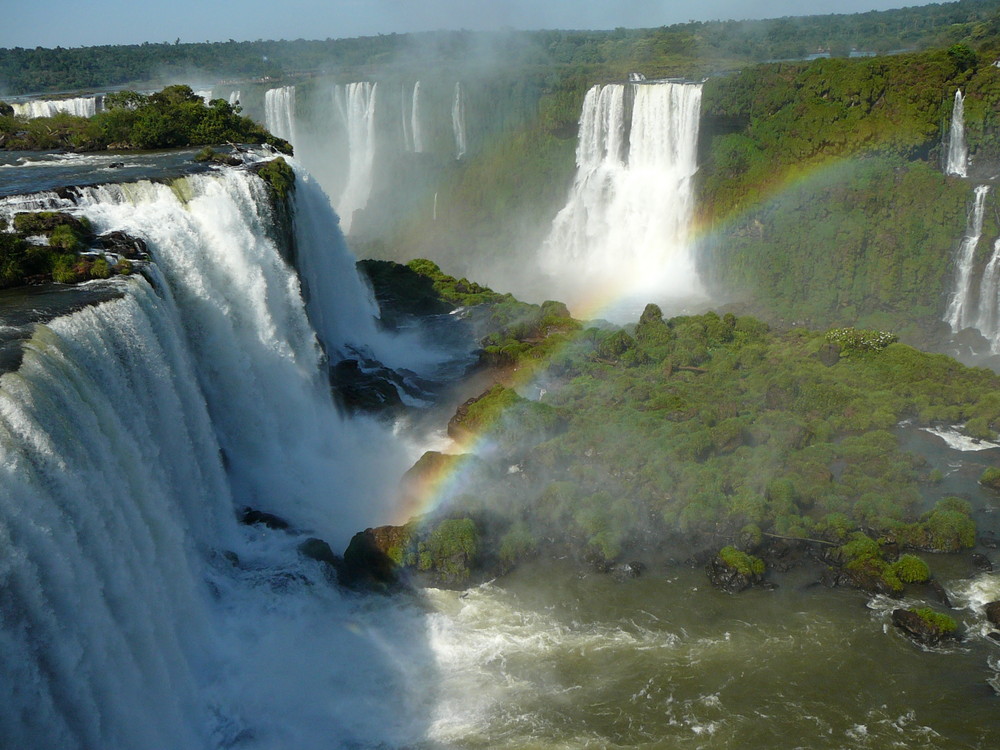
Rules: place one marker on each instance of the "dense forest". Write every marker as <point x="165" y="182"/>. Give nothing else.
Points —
<point x="715" y="44"/>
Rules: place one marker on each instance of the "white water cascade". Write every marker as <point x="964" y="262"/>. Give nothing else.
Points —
<point x="960" y="313"/>
<point x="234" y="97"/>
<point x="81" y="106"/>
<point x="958" y="153"/>
<point x="404" y="120"/>
<point x="134" y="611"/>
<point x="416" y="122"/>
<point x="356" y="103"/>
<point x="458" y="121"/>
<point x="625" y="230"/>
<point x="279" y="112"/>
<point x="988" y="319"/>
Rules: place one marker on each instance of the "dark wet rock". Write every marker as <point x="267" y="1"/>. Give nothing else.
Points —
<point x="364" y="390"/>
<point x="994" y="635"/>
<point x="981" y="563"/>
<point x="123" y="244"/>
<point x="625" y="571"/>
<point x="734" y="571"/>
<point x="924" y="626"/>
<point x="369" y="561"/>
<point x="972" y="340"/>
<point x="252" y="516"/>
<point x="938" y="591"/>
<point x="317" y="549"/>
<point x="993" y="613"/>
<point x="116" y="165"/>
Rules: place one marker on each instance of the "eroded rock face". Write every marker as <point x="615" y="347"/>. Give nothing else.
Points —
<point x="993" y="613"/>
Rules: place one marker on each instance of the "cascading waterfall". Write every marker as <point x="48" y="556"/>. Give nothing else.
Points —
<point x="234" y="97"/>
<point x="624" y="232"/>
<point x="458" y="121"/>
<point x="356" y="103"/>
<point x="205" y="94"/>
<point x="129" y="435"/>
<point x="958" y="153"/>
<point x="404" y="120"/>
<point x="960" y="313"/>
<point x="988" y="320"/>
<point x="416" y="125"/>
<point x="279" y="112"/>
<point x="82" y="106"/>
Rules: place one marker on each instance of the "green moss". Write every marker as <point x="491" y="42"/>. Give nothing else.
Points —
<point x="911" y="569"/>
<point x="450" y="550"/>
<point x="991" y="478"/>
<point x="741" y="562"/>
<point x="280" y="176"/>
<point x="936" y="620"/>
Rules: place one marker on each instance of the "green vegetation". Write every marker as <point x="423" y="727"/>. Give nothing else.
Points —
<point x="696" y="427"/>
<point x="280" y="176"/>
<point x="23" y="261"/>
<point x="991" y="478"/>
<point x="741" y="562"/>
<point x="450" y="550"/>
<point x="911" y="569"/>
<point x="937" y="621"/>
<point x="171" y="118"/>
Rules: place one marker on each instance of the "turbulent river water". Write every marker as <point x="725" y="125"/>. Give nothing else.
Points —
<point x="135" y="612"/>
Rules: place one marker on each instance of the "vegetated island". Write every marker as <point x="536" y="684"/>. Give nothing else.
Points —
<point x="707" y="440"/>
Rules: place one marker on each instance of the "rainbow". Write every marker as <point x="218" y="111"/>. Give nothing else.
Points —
<point x="427" y="489"/>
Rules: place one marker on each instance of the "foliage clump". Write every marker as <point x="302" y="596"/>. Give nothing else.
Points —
<point x="60" y="260"/>
<point x="911" y="569"/>
<point x="449" y="551"/>
<point x="937" y="621"/>
<point x="857" y="339"/>
<point x="741" y="562"/>
<point x="171" y="118"/>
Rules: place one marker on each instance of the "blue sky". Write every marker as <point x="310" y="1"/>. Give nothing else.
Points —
<point x="77" y="23"/>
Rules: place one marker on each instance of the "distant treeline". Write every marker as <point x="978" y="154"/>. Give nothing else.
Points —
<point x="714" y="43"/>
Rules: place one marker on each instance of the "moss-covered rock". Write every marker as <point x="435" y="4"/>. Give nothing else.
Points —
<point x="990" y="479"/>
<point x="733" y="571"/>
<point x="279" y="175"/>
<point x="925" y="625"/>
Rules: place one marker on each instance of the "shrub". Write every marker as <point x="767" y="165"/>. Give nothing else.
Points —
<point x="859" y="339"/>
<point x="911" y="569"/>
<point x="936" y="620"/>
<point x="741" y="562"/>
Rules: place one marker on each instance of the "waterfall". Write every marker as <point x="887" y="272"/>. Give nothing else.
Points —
<point x="356" y="103"/>
<point x="404" y="120"/>
<point x="279" y="112"/>
<point x="415" y="121"/>
<point x="128" y="437"/>
<point x="960" y="313"/>
<point x="458" y="121"/>
<point x="988" y="320"/>
<point x="624" y="231"/>
<point x="234" y="97"/>
<point x="958" y="153"/>
<point x="82" y="106"/>
<point x="205" y="94"/>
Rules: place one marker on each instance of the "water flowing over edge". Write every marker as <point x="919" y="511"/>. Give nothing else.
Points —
<point x="625" y="229"/>
<point x="135" y="611"/>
